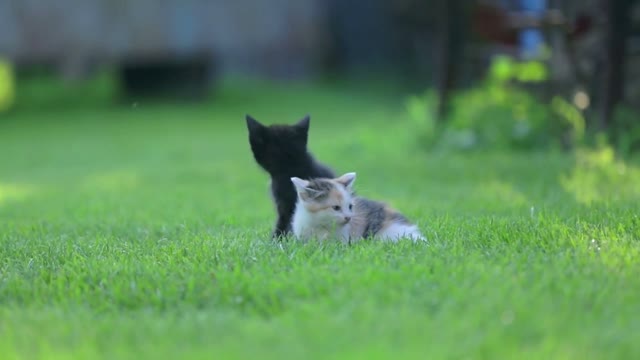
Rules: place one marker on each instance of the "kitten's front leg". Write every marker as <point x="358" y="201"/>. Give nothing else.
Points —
<point x="278" y="234"/>
<point x="282" y="229"/>
<point x="283" y="225"/>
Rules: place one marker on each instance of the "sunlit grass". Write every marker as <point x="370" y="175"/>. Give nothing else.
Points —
<point x="12" y="192"/>
<point x="143" y="232"/>
<point x="598" y="176"/>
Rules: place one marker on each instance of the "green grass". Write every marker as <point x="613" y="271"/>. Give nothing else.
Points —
<point x="143" y="232"/>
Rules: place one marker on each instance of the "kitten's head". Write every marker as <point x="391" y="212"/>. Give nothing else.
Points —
<point x="276" y="146"/>
<point x="330" y="201"/>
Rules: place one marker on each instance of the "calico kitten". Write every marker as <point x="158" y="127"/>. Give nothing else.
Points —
<point x="328" y="208"/>
<point x="281" y="150"/>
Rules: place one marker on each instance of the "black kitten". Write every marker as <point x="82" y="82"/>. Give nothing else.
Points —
<point x="281" y="150"/>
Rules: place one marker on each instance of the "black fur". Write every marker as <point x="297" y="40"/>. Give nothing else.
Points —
<point x="281" y="150"/>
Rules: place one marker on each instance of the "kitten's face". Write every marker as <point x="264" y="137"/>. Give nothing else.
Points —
<point x="276" y="146"/>
<point x="329" y="201"/>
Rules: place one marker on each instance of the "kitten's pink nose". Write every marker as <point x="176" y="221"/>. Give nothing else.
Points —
<point x="347" y="219"/>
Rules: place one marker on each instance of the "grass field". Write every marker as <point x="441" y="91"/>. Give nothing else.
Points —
<point x="142" y="231"/>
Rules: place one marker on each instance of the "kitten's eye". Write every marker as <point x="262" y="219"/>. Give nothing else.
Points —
<point x="336" y="208"/>
<point x="350" y="206"/>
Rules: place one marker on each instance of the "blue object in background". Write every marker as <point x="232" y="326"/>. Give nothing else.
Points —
<point x="531" y="40"/>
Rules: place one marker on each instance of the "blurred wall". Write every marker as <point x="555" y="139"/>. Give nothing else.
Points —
<point x="281" y="37"/>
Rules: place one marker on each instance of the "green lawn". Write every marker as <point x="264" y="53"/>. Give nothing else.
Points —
<point x="143" y="232"/>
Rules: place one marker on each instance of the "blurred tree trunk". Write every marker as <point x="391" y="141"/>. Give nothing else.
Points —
<point x="450" y="27"/>
<point x="617" y="28"/>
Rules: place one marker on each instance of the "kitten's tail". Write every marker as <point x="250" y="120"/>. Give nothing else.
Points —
<point x="416" y="235"/>
<point x="396" y="232"/>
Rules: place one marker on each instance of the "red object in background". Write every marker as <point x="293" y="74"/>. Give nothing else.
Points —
<point x="581" y="26"/>
<point x="499" y="25"/>
<point x="492" y="24"/>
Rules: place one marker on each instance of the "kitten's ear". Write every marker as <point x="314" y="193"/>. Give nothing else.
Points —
<point x="303" y="124"/>
<point x="305" y="192"/>
<point x="302" y="129"/>
<point x="253" y="125"/>
<point x="301" y="185"/>
<point x="347" y="180"/>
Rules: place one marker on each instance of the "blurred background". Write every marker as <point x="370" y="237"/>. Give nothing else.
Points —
<point x="134" y="219"/>
<point x="553" y="70"/>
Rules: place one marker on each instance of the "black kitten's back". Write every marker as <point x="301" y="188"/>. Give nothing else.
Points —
<point x="281" y="150"/>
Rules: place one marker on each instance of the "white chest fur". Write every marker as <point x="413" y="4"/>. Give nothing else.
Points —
<point x="306" y="226"/>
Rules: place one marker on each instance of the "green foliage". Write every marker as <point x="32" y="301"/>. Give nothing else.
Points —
<point x="422" y="122"/>
<point x="596" y="172"/>
<point x="500" y="114"/>
<point x="7" y="85"/>
<point x="504" y="69"/>
<point x="574" y="122"/>
<point x="144" y="233"/>
<point x="625" y="130"/>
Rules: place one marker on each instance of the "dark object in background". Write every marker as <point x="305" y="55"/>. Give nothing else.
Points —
<point x="452" y="31"/>
<point x="362" y="35"/>
<point x="180" y="77"/>
<point x="281" y="150"/>
<point x="616" y="32"/>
